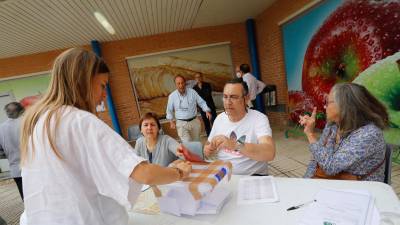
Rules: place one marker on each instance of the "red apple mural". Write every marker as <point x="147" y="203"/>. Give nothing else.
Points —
<point x="356" y="35"/>
<point x="299" y="104"/>
<point x="29" y="100"/>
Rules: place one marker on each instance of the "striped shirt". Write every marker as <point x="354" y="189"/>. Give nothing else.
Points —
<point x="184" y="106"/>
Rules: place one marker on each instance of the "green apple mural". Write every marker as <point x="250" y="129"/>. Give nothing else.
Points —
<point x="383" y="80"/>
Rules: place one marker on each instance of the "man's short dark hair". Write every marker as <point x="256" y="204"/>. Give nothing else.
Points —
<point x="13" y="110"/>
<point x="240" y="81"/>
<point x="176" y="77"/>
<point x="245" y="68"/>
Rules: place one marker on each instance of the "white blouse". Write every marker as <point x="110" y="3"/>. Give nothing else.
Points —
<point x="90" y="185"/>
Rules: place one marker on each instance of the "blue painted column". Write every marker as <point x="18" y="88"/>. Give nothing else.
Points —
<point x="252" y="43"/>
<point x="110" y="104"/>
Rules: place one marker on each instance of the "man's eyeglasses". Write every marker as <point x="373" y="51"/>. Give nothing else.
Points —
<point x="233" y="98"/>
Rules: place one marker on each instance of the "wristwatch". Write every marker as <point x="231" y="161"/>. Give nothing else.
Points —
<point x="239" y="145"/>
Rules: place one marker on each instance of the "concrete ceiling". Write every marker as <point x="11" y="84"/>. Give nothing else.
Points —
<point x="33" y="26"/>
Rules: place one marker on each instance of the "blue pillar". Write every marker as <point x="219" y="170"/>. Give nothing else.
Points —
<point x="252" y="43"/>
<point x="111" y="109"/>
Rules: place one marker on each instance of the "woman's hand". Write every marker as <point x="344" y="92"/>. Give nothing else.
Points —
<point x="309" y="125"/>
<point x="308" y="122"/>
<point x="184" y="166"/>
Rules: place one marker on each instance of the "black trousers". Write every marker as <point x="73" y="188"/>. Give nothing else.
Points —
<point x="207" y="123"/>
<point x="18" y="181"/>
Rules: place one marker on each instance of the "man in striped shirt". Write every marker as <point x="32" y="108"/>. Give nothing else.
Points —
<point x="182" y="106"/>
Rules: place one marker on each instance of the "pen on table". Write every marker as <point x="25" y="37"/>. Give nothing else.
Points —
<point x="301" y="205"/>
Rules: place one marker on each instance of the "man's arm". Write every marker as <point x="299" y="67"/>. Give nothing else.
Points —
<point x="170" y="112"/>
<point x="201" y="103"/>
<point x="170" y="108"/>
<point x="263" y="151"/>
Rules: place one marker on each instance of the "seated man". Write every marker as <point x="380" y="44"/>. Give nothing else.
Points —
<point x="240" y="135"/>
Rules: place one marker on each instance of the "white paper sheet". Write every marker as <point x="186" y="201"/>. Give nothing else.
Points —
<point x="256" y="190"/>
<point x="340" y="207"/>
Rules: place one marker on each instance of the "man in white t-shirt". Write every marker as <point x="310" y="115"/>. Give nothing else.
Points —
<point x="240" y="135"/>
<point x="255" y="86"/>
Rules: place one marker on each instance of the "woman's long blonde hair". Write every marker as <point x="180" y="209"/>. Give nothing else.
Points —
<point x="70" y="85"/>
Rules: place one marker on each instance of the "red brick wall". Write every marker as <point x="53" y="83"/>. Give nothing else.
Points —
<point x="115" y="53"/>
<point x="270" y="50"/>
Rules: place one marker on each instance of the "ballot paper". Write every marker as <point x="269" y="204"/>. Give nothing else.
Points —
<point x="341" y="207"/>
<point x="257" y="189"/>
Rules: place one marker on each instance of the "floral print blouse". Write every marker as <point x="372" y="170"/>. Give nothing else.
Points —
<point x="358" y="153"/>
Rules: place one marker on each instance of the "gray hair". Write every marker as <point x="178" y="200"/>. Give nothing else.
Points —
<point x="14" y="110"/>
<point x="357" y="108"/>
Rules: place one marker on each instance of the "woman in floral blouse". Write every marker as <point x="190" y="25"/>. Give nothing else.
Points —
<point x="352" y="144"/>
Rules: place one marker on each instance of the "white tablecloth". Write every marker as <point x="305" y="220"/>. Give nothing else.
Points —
<point x="291" y="191"/>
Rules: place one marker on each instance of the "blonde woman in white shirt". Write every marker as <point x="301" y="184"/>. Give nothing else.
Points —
<point x="75" y="168"/>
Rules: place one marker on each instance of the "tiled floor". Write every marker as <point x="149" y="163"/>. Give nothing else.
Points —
<point x="291" y="161"/>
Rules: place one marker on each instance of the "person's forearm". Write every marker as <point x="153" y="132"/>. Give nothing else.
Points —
<point x="169" y="113"/>
<point x="312" y="137"/>
<point x="152" y="174"/>
<point x="259" y="152"/>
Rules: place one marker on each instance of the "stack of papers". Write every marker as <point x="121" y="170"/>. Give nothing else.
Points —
<point x="213" y="202"/>
<point x="256" y="190"/>
<point x="176" y="203"/>
<point x="341" y="207"/>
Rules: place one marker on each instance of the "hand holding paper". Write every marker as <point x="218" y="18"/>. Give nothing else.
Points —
<point x="184" y="167"/>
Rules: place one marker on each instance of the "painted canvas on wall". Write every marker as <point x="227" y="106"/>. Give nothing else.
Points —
<point x="335" y="41"/>
<point x="25" y="90"/>
<point x="153" y="75"/>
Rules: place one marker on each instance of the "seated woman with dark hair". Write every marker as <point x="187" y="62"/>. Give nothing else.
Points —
<point x="157" y="148"/>
<point x="351" y="145"/>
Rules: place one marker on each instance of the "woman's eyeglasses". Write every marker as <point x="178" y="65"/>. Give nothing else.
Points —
<point x="327" y="102"/>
